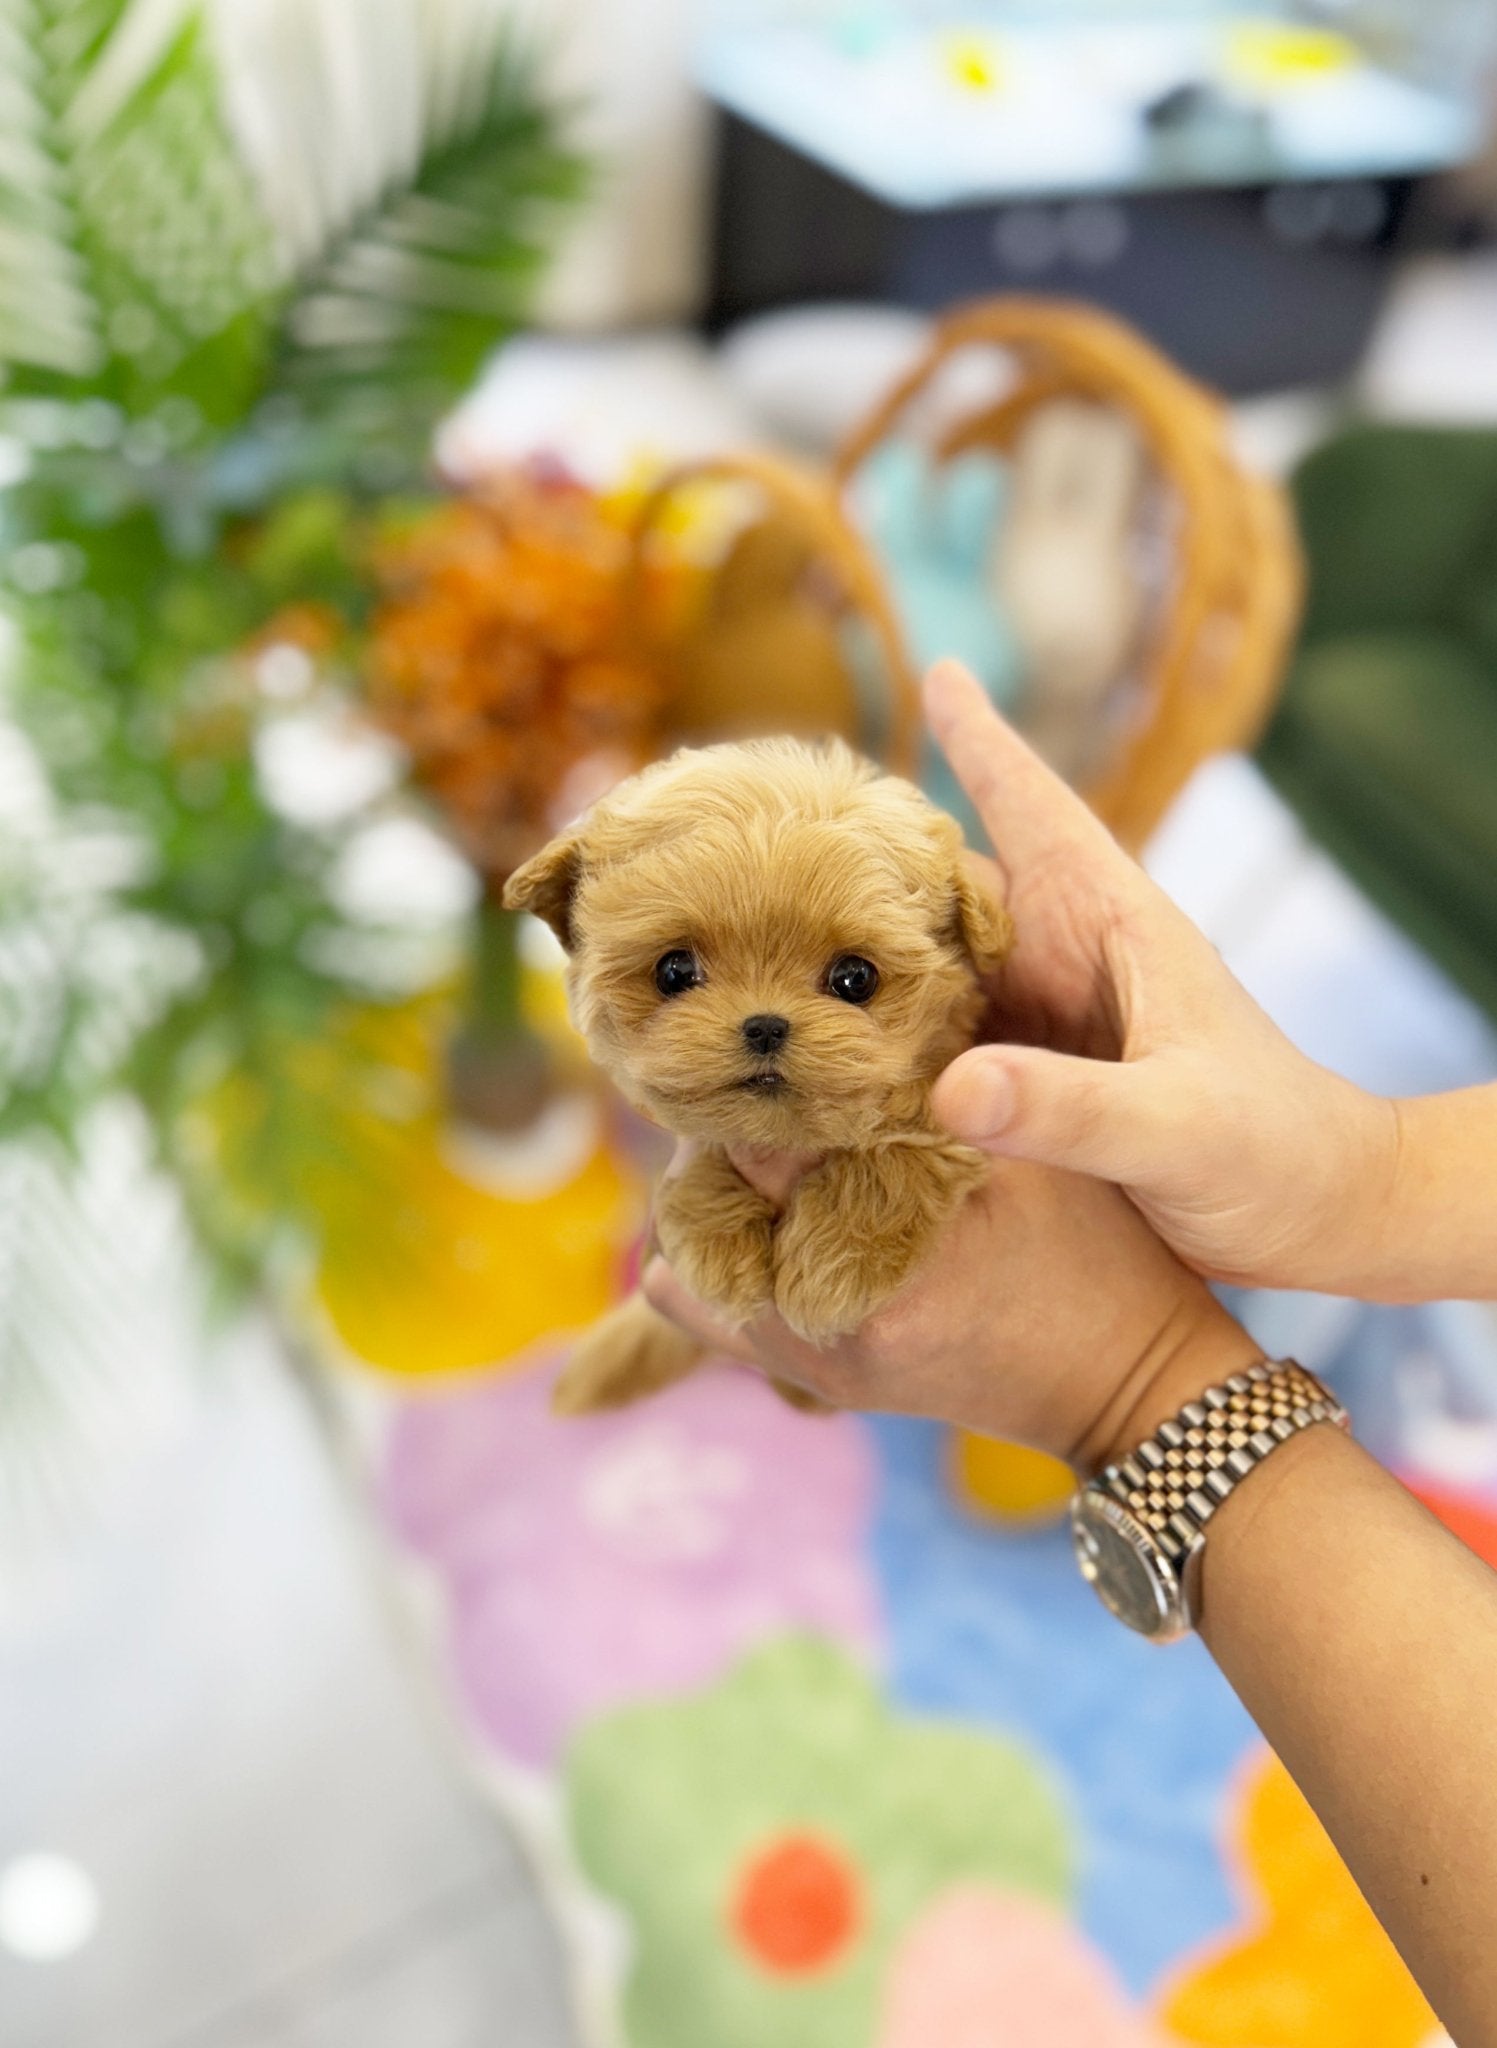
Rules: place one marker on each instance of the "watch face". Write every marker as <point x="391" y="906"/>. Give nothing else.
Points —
<point x="1120" y="1559"/>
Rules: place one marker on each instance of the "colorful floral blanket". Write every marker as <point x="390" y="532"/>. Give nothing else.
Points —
<point x="814" y="1752"/>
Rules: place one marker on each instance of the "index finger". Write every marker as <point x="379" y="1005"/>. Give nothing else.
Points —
<point x="1029" y="814"/>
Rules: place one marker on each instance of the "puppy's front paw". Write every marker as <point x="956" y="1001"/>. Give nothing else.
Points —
<point x="718" y="1237"/>
<point x="858" y="1226"/>
<point x="734" y="1276"/>
<point x="826" y="1286"/>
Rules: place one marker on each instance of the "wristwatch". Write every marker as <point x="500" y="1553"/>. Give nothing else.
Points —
<point x="1140" y="1526"/>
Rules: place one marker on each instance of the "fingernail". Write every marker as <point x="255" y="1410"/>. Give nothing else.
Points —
<point x="982" y="1103"/>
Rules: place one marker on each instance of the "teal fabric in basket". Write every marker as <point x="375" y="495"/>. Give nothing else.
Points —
<point x="934" y="528"/>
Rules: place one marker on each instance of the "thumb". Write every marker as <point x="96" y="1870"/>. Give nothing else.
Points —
<point x="1100" y="1117"/>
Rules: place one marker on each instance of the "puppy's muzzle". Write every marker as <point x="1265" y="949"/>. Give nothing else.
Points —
<point x="765" y="1035"/>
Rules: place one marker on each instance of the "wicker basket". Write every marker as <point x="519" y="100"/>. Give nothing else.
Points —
<point x="1217" y="645"/>
<point x="797" y="632"/>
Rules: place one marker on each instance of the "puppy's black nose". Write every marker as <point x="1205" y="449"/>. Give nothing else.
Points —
<point x="765" y="1035"/>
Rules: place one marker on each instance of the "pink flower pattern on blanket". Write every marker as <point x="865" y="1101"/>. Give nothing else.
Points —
<point x="982" y="1968"/>
<point x="595" y="1561"/>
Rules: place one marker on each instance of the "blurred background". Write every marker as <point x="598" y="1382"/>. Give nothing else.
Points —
<point x="415" y="414"/>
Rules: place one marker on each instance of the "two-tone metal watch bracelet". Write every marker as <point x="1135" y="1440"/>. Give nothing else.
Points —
<point x="1176" y="1481"/>
<point x="1140" y="1525"/>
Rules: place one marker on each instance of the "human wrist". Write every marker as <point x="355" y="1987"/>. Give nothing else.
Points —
<point x="1252" y="1512"/>
<point x="1426" y="1230"/>
<point x="1363" y="1194"/>
<point x="1197" y="1346"/>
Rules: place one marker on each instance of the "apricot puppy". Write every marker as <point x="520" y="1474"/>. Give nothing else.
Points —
<point x="772" y="946"/>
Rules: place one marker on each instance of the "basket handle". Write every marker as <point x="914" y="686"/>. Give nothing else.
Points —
<point x="1096" y="351"/>
<point x="806" y="498"/>
<point x="1221" y="644"/>
<point x="1182" y="424"/>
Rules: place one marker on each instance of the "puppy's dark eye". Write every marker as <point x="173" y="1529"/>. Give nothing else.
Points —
<point x="852" y="979"/>
<point x="676" y="972"/>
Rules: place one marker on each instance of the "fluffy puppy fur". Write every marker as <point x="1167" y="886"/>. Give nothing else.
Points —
<point x="721" y="912"/>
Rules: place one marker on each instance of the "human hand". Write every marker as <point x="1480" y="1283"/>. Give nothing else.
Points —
<point x="1131" y="1053"/>
<point x="1048" y="1313"/>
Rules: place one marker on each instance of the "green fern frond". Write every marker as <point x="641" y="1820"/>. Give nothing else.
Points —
<point x="420" y="278"/>
<point x="223" y="324"/>
<point x="332" y="254"/>
<point x="47" y="317"/>
<point x="135" y="260"/>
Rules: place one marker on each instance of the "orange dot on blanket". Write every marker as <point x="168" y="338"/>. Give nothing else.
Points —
<point x="798" y="1904"/>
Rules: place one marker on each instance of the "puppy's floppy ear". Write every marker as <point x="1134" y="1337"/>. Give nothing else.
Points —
<point x="984" y="926"/>
<point x="547" y="883"/>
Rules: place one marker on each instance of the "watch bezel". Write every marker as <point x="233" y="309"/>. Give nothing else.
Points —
<point x="1173" y="1605"/>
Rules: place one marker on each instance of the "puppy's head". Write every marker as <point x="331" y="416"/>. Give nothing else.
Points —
<point x="769" y="943"/>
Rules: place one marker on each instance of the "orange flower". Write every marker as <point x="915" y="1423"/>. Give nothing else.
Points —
<point x="314" y="628"/>
<point x="503" y="654"/>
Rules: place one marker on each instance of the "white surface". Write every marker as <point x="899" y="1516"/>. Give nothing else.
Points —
<point x="1273" y="433"/>
<point x="49" y="1906"/>
<point x="1066" y="116"/>
<point x="97" y="1330"/>
<point x="1330" y="970"/>
<point x="610" y="406"/>
<point x="635" y="253"/>
<point x="810" y="373"/>
<point x="210" y="1720"/>
<point x="1434" y="355"/>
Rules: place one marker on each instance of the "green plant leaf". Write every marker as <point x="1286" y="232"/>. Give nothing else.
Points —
<point x="398" y="311"/>
<point x="136" y="264"/>
<point x="222" y="335"/>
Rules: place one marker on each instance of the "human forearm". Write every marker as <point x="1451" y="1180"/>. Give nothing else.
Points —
<point x="1362" y="1637"/>
<point x="1431" y="1233"/>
